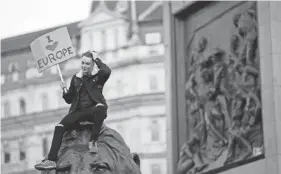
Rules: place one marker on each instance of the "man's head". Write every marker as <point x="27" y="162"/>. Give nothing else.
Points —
<point x="87" y="63"/>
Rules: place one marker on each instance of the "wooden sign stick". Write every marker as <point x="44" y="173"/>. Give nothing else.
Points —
<point x="58" y="67"/>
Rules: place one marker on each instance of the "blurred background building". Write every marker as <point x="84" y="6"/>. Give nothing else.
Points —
<point x="129" y="37"/>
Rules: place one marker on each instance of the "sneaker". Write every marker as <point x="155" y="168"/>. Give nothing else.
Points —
<point x="46" y="165"/>
<point x="93" y="147"/>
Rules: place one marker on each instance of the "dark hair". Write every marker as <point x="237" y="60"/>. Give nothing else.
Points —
<point x="88" y="54"/>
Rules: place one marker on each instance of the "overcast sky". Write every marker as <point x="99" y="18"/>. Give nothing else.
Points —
<point x="22" y="16"/>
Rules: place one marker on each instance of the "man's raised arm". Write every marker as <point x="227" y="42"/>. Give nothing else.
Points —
<point x="104" y="70"/>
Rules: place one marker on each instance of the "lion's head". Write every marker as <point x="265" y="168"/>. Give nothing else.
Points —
<point x="114" y="156"/>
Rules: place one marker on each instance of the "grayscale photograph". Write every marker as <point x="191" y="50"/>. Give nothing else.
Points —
<point x="140" y="87"/>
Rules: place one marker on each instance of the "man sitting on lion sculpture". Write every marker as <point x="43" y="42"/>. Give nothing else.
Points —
<point x="87" y="104"/>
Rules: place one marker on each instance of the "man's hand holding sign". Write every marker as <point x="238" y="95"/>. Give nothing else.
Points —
<point x="52" y="49"/>
<point x="84" y="94"/>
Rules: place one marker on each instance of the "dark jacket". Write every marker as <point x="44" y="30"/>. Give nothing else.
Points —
<point x="94" y="85"/>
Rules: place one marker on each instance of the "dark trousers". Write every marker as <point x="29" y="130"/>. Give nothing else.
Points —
<point x="91" y="114"/>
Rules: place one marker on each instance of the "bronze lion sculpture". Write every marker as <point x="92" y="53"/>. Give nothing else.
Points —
<point x="114" y="156"/>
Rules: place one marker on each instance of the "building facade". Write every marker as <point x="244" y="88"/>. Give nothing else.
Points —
<point x="129" y="37"/>
<point x="223" y="86"/>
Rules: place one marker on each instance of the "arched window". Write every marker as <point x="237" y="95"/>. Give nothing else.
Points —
<point x="7" y="153"/>
<point x="76" y="42"/>
<point x="13" y="69"/>
<point x="153" y="84"/>
<point x="22" y="152"/>
<point x="45" y="101"/>
<point x="7" y="109"/>
<point x="22" y="106"/>
<point x="154" y="130"/>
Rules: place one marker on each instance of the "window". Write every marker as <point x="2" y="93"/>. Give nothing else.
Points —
<point x="13" y="67"/>
<point x="153" y="85"/>
<point x="154" y="129"/>
<point x="152" y="38"/>
<point x="7" y="109"/>
<point x="45" y="146"/>
<point x="22" y="106"/>
<point x="155" y="169"/>
<point x="22" y="154"/>
<point x="45" y="101"/>
<point x="7" y="157"/>
<point x="7" y="154"/>
<point x="2" y="79"/>
<point x="76" y="42"/>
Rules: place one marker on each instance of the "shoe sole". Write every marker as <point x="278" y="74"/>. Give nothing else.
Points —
<point x="45" y="168"/>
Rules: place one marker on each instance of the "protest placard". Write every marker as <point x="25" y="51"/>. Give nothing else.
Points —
<point x="52" y="48"/>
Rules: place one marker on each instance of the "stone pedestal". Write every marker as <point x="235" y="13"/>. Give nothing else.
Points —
<point x="113" y="154"/>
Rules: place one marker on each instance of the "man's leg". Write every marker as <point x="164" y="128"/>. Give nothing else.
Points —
<point x="66" y="123"/>
<point x="56" y="142"/>
<point x="99" y="114"/>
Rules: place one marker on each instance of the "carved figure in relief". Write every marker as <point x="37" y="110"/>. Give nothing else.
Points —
<point x="253" y="105"/>
<point x="247" y="28"/>
<point x="190" y="86"/>
<point x="195" y="111"/>
<point x="210" y="105"/>
<point x="190" y="156"/>
<point x="197" y="54"/>
<point x="221" y="82"/>
<point x="238" y="130"/>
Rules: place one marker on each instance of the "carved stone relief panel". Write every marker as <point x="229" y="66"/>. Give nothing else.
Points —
<point x="223" y="100"/>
